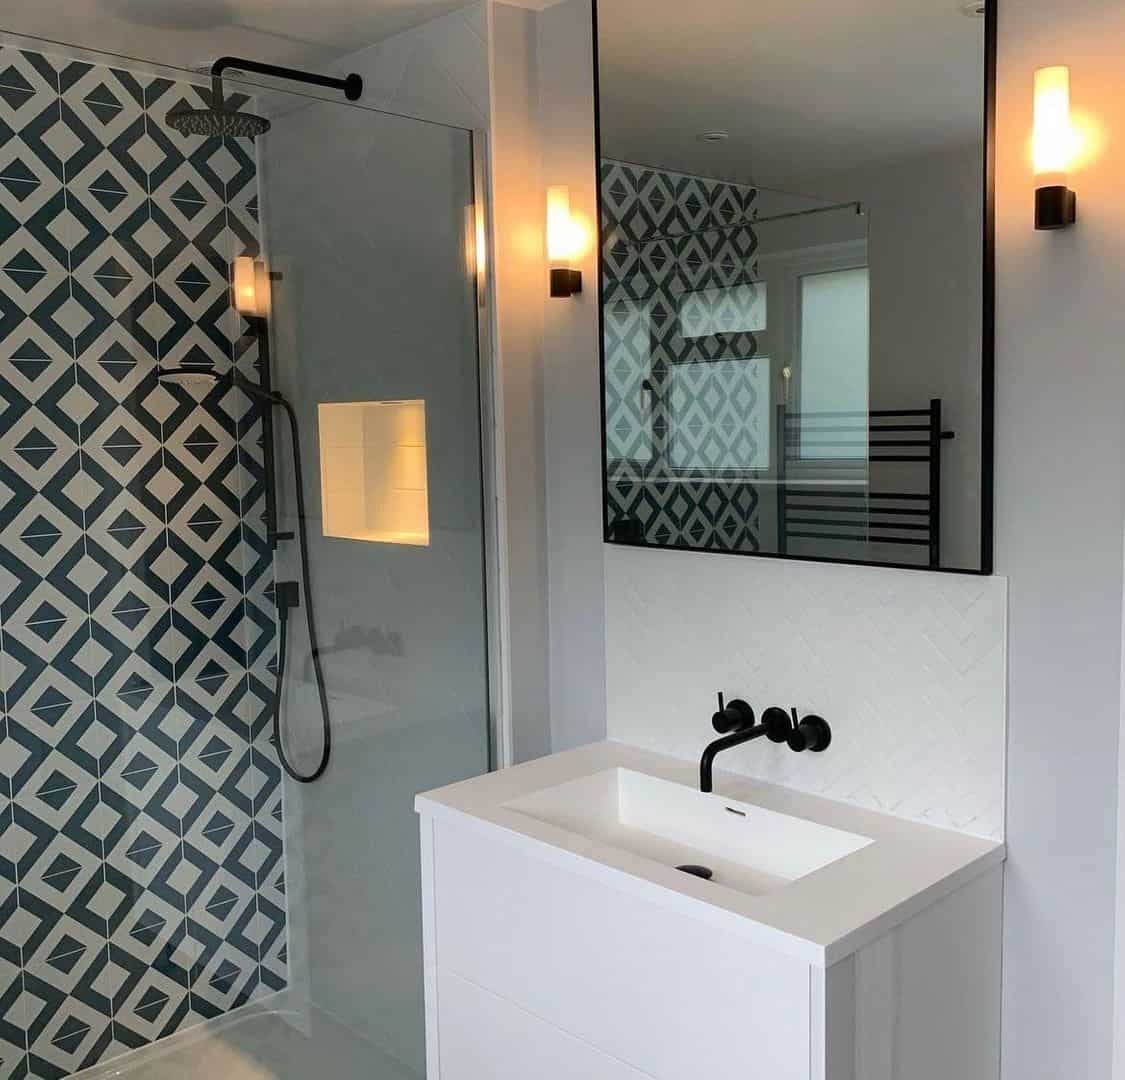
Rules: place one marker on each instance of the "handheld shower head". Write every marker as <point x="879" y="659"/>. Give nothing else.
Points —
<point x="233" y="377"/>
<point x="188" y="372"/>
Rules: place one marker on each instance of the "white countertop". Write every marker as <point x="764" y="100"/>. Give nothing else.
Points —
<point x="822" y="917"/>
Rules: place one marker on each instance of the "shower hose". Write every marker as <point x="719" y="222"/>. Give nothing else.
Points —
<point x="310" y="622"/>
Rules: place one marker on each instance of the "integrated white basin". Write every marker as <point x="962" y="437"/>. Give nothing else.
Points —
<point x="747" y="848"/>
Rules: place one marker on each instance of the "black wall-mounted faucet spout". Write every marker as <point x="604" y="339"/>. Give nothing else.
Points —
<point x="735" y="723"/>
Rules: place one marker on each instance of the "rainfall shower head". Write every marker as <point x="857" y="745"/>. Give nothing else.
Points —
<point x="218" y="121"/>
<point x="223" y="121"/>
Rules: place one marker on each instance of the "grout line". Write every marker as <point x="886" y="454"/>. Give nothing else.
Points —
<point x="73" y="952"/>
<point x="56" y="623"/>
<point x="17" y="274"/>
<point x="69" y="786"/>
<point x="56" y="532"/>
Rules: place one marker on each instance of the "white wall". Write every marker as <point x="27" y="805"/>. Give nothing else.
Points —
<point x="542" y="133"/>
<point x="517" y="268"/>
<point x="1060" y="485"/>
<point x="571" y="385"/>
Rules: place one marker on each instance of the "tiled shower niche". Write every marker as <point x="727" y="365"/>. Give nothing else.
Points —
<point x="141" y="861"/>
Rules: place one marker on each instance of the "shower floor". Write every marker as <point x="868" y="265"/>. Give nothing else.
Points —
<point x="260" y="1045"/>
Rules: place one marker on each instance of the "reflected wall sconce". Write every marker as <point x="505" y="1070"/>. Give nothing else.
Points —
<point x="251" y="287"/>
<point x="564" y="243"/>
<point x="476" y="245"/>
<point x="1053" y="149"/>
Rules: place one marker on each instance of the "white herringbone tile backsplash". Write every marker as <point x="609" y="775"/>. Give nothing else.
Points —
<point x="907" y="666"/>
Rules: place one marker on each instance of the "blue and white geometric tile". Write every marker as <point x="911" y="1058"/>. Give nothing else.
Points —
<point x="151" y="950"/>
<point x="69" y="1021"/>
<point x="124" y="566"/>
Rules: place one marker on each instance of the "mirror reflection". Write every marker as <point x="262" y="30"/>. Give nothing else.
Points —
<point x="794" y="280"/>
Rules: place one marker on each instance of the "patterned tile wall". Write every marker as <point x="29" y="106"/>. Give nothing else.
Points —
<point x="141" y="885"/>
<point x="661" y="244"/>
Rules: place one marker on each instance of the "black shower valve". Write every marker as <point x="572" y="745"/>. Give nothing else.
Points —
<point x="287" y="595"/>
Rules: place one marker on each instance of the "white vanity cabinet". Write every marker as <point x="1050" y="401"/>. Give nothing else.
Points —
<point x="545" y="961"/>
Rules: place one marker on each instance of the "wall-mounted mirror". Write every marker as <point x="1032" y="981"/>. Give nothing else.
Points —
<point x="796" y="277"/>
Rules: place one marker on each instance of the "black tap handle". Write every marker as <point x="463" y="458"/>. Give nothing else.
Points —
<point x="777" y="723"/>
<point x="812" y="733"/>
<point x="797" y="740"/>
<point x="737" y="716"/>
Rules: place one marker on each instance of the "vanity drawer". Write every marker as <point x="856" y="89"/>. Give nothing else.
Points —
<point x="483" y="1035"/>
<point x="663" y="993"/>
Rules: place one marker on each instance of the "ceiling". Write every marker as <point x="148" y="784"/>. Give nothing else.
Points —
<point x="189" y="33"/>
<point x="805" y="88"/>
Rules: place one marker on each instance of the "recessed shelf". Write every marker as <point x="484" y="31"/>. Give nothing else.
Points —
<point x="373" y="478"/>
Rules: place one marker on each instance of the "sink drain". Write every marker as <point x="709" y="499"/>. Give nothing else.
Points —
<point x="704" y="872"/>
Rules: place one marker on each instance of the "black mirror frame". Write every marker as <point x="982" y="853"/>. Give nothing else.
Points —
<point x="988" y="337"/>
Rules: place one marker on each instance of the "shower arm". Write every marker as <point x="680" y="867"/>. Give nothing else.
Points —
<point x="352" y="86"/>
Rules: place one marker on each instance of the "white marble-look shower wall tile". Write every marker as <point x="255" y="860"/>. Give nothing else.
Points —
<point x="908" y="667"/>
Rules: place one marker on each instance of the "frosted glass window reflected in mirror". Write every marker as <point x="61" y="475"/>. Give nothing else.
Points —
<point x="833" y="365"/>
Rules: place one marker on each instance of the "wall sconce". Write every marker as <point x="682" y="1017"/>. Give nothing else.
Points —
<point x="564" y="243"/>
<point x="251" y="287"/>
<point x="1053" y="147"/>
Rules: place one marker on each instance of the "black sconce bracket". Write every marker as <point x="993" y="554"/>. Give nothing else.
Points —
<point x="1056" y="207"/>
<point x="565" y="282"/>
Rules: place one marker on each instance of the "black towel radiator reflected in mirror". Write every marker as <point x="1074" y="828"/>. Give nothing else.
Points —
<point x="833" y="512"/>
